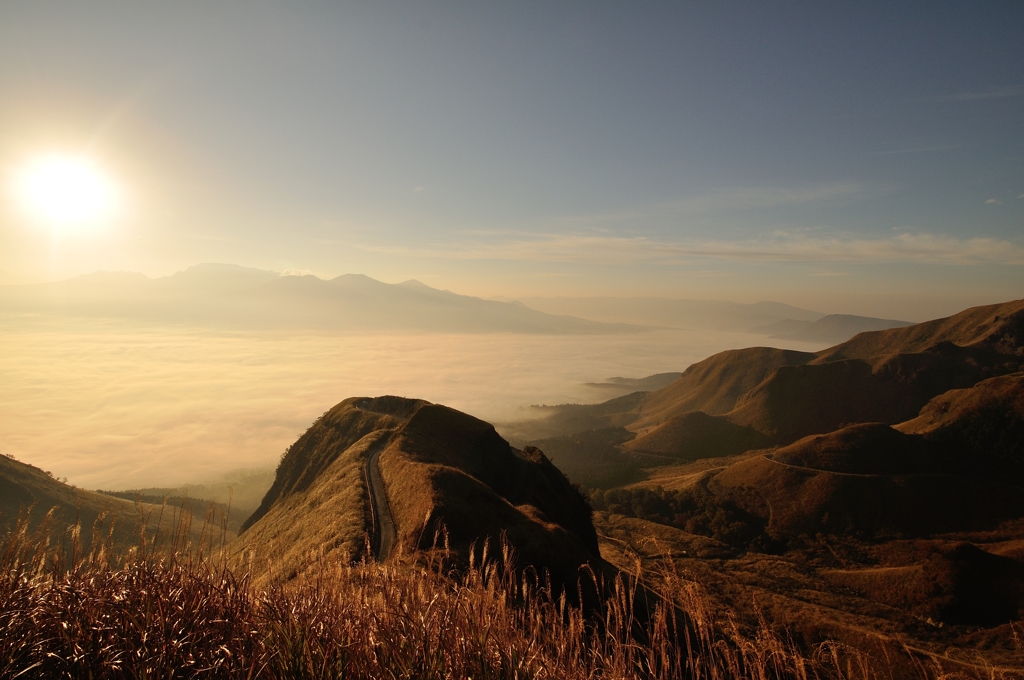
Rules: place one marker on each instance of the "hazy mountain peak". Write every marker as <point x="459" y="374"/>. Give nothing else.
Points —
<point x="215" y="275"/>
<point x="354" y="277"/>
<point x="360" y="282"/>
<point x="830" y="328"/>
<point x="207" y="268"/>
<point x="413" y="283"/>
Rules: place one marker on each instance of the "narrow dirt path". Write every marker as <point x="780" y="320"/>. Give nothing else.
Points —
<point x="803" y="468"/>
<point x="383" y="535"/>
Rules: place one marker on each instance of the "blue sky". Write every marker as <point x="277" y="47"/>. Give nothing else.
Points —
<point x="858" y="158"/>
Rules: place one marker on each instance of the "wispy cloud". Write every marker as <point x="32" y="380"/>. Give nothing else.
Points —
<point x="999" y="93"/>
<point x="736" y="199"/>
<point x="993" y="201"/>
<point x="918" y="149"/>
<point x="619" y="250"/>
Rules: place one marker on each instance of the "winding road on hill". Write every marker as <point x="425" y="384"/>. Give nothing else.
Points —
<point x="869" y="475"/>
<point x="383" y="535"/>
<point x="804" y="468"/>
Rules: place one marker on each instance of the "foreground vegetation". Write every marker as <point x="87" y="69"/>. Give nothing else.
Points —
<point x="68" y="611"/>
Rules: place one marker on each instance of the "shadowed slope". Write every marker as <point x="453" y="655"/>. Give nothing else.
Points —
<point x="593" y="458"/>
<point x="864" y="449"/>
<point x="958" y="583"/>
<point x="795" y="401"/>
<point x="982" y="425"/>
<point x="796" y="500"/>
<point x="873" y="479"/>
<point x="448" y="467"/>
<point x="697" y="435"/>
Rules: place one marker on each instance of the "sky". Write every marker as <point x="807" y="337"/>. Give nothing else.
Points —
<point x="862" y="158"/>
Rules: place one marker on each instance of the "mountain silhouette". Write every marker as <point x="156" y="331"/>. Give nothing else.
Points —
<point x="223" y="295"/>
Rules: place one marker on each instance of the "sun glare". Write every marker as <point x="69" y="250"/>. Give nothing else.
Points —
<point x="66" y="190"/>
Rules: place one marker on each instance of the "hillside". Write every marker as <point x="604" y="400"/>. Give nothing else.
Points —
<point x="715" y="384"/>
<point x="870" y="499"/>
<point x="866" y="480"/>
<point x="694" y="435"/>
<point x="29" y="492"/>
<point x="999" y="326"/>
<point x="882" y="376"/>
<point x="983" y="424"/>
<point x="885" y="376"/>
<point x="400" y="469"/>
<point x="873" y="486"/>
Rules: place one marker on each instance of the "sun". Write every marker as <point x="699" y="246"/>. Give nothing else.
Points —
<point x="66" y="190"/>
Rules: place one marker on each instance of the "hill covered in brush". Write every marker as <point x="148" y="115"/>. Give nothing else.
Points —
<point x="399" y="470"/>
<point x="33" y="495"/>
<point x="877" y="485"/>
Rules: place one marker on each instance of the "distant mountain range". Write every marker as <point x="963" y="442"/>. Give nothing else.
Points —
<point x="224" y="295"/>
<point x="713" y="315"/>
<point x="773" y="319"/>
<point x="831" y="328"/>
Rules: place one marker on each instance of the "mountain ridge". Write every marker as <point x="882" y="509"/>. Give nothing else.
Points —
<point x="243" y="297"/>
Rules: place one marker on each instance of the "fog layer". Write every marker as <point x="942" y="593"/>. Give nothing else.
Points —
<point x="111" y="405"/>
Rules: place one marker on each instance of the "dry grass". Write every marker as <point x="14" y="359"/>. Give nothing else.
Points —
<point x="180" y="613"/>
<point x="327" y="516"/>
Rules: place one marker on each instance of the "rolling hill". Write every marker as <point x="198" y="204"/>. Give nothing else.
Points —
<point x="870" y="491"/>
<point x="400" y="469"/>
<point x="884" y="376"/>
<point x="27" y="492"/>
